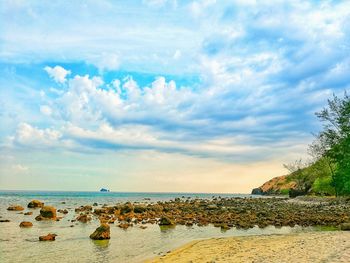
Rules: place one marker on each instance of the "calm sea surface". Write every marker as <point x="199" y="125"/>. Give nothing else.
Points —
<point x="73" y="243"/>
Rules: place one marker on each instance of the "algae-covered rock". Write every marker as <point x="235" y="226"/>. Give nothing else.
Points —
<point x="47" y="213"/>
<point x="166" y="221"/>
<point x="102" y="232"/>
<point x="35" y="204"/>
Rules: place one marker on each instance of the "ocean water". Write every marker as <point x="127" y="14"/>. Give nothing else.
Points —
<point x="73" y="243"/>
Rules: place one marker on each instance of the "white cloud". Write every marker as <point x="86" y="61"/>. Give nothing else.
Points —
<point x="106" y="62"/>
<point x="46" y="110"/>
<point x="27" y="135"/>
<point x="58" y="73"/>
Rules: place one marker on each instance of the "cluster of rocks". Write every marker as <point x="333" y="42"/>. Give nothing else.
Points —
<point x="221" y="212"/>
<point x="224" y="212"/>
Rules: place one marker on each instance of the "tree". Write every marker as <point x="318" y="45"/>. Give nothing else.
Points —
<point x="299" y="175"/>
<point x="333" y="142"/>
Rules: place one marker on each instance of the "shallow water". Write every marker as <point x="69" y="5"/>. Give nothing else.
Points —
<point x="73" y="243"/>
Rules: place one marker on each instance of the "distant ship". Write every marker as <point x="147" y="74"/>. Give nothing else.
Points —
<point x="104" y="190"/>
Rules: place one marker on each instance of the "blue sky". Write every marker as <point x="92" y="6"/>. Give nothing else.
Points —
<point x="198" y="96"/>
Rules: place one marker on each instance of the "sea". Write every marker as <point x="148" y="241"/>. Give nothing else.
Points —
<point x="73" y="243"/>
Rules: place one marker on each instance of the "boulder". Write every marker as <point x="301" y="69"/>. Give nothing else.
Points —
<point x="28" y="213"/>
<point x="47" y="213"/>
<point x="35" y="204"/>
<point x="345" y="226"/>
<point x="166" y="221"/>
<point x="84" y="218"/>
<point x="26" y="224"/>
<point x="4" y="220"/>
<point x="48" y="237"/>
<point x="102" y="232"/>
<point x="15" y="208"/>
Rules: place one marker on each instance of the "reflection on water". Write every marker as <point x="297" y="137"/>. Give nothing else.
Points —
<point x="167" y="229"/>
<point x="74" y="245"/>
<point x="100" y="245"/>
<point x="101" y="251"/>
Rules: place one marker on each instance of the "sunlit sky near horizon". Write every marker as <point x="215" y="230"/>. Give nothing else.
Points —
<point x="157" y="95"/>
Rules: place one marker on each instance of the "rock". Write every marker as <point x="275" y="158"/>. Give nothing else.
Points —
<point x="166" y="221"/>
<point x="95" y="204"/>
<point x="345" y="226"/>
<point x="124" y="225"/>
<point x="15" y="208"/>
<point x="35" y="204"/>
<point x="48" y="237"/>
<point x="257" y="191"/>
<point x="28" y="213"/>
<point x="47" y="213"/>
<point x="26" y="224"/>
<point x="84" y="218"/>
<point x="126" y="208"/>
<point x="4" y="220"/>
<point x="62" y="211"/>
<point x="189" y="223"/>
<point x="139" y="209"/>
<point x="83" y="208"/>
<point x="225" y="227"/>
<point x="102" y="232"/>
<point x="99" y="211"/>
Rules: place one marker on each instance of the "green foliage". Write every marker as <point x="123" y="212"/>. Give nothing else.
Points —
<point x="284" y="191"/>
<point x="323" y="186"/>
<point x="333" y="142"/>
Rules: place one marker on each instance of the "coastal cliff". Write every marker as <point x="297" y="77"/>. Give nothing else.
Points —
<point x="277" y="185"/>
<point x="314" y="179"/>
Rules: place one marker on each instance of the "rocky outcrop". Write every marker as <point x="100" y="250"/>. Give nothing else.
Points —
<point x="101" y="233"/>
<point x="274" y="186"/>
<point x="26" y="224"/>
<point x="15" y="208"/>
<point x="47" y="213"/>
<point x="35" y="204"/>
<point x="166" y="221"/>
<point x="126" y="208"/>
<point x="48" y="237"/>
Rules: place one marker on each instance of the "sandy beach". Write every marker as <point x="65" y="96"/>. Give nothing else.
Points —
<point x="314" y="247"/>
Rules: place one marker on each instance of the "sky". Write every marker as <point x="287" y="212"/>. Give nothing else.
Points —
<point x="164" y="96"/>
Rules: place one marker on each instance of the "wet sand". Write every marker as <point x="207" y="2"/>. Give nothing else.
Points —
<point x="325" y="247"/>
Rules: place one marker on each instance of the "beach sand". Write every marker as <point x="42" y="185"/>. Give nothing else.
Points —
<point x="325" y="247"/>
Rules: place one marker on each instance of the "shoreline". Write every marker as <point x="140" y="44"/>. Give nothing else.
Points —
<point x="331" y="246"/>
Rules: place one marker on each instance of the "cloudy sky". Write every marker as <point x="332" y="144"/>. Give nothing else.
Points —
<point x="157" y="95"/>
